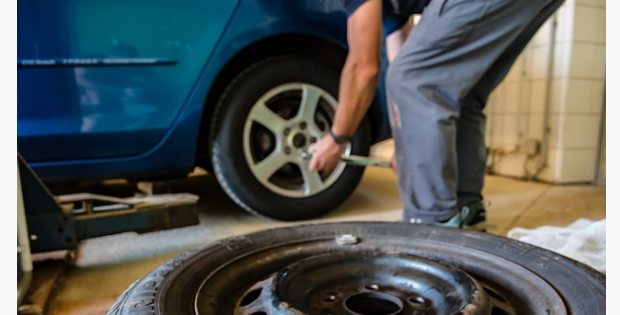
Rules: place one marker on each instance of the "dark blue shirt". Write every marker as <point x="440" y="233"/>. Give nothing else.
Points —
<point x="395" y="12"/>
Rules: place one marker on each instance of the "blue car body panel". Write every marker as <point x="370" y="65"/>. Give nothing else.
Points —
<point x="110" y="88"/>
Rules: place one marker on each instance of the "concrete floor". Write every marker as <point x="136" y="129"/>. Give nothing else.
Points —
<point x="104" y="267"/>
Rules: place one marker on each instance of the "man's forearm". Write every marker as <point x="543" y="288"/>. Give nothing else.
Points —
<point x="358" y="85"/>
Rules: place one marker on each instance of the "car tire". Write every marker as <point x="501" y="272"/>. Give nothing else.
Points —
<point x="299" y="97"/>
<point x="333" y="268"/>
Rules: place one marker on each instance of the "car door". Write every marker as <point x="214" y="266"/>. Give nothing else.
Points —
<point x="108" y="78"/>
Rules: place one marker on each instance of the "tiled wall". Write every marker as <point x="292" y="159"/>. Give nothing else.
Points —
<point x="565" y="107"/>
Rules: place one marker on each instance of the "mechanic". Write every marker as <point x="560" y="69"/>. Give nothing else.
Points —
<point x="437" y="88"/>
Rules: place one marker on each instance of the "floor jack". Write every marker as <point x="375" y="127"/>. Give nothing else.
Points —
<point x="60" y="222"/>
<point x="49" y="223"/>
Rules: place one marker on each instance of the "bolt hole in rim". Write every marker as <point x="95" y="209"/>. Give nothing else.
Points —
<point x="330" y="299"/>
<point x="280" y="126"/>
<point x="418" y="300"/>
<point x="250" y="297"/>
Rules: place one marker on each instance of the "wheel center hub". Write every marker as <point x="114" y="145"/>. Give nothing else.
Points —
<point x="299" y="140"/>
<point x="367" y="283"/>
<point x="373" y="303"/>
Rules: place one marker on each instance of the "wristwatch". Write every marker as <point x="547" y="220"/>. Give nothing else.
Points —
<point x="339" y="139"/>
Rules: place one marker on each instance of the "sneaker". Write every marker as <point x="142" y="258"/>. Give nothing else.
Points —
<point x="470" y="217"/>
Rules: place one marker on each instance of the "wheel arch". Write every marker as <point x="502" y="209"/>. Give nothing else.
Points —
<point x="323" y="50"/>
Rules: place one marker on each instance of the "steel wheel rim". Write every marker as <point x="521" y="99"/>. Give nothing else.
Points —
<point x="289" y="140"/>
<point x="509" y="288"/>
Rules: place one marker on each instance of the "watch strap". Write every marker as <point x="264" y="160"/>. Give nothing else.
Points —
<point x="339" y="139"/>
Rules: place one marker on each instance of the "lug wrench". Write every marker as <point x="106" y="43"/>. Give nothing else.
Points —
<point x="354" y="160"/>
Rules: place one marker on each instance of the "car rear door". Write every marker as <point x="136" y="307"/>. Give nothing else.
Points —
<point x="108" y="78"/>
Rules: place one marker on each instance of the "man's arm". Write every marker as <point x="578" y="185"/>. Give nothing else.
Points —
<point x="358" y="82"/>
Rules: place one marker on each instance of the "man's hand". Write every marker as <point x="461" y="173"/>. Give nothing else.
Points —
<point x="325" y="154"/>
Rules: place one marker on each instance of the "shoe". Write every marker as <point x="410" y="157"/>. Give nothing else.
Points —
<point x="470" y="217"/>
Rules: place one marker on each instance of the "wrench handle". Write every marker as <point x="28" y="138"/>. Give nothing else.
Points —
<point x="355" y="160"/>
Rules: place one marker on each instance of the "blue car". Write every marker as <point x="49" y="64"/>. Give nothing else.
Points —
<point x="152" y="89"/>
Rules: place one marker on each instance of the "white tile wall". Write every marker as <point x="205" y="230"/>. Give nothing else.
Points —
<point x="538" y="96"/>
<point x="589" y="24"/>
<point x="566" y="23"/>
<point x="523" y="121"/>
<point x="489" y="109"/>
<point x="539" y="62"/>
<point x="505" y="131"/>
<point x="602" y="25"/>
<point x="511" y="98"/>
<point x="578" y="166"/>
<point x="543" y="36"/>
<point x="525" y="97"/>
<point x="495" y="131"/>
<point x="581" y="132"/>
<point x="496" y="102"/>
<point x="517" y="108"/>
<point x="556" y="131"/>
<point x="552" y="172"/>
<point x="488" y="139"/>
<point x="588" y="61"/>
<point x="602" y="176"/>
<point x="516" y="71"/>
<point x="596" y="3"/>
<point x="536" y="126"/>
<point x="562" y="60"/>
<point x="559" y="95"/>
<point x="584" y="97"/>
<point x="510" y="130"/>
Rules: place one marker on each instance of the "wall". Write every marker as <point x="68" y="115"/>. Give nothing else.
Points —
<point x="544" y="120"/>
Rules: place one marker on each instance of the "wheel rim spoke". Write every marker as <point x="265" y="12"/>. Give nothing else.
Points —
<point x="309" y="102"/>
<point x="267" y="167"/>
<point x="316" y="132"/>
<point x="263" y="115"/>
<point x="312" y="180"/>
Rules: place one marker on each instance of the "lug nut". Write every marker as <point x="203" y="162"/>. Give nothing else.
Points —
<point x="312" y="140"/>
<point x="287" y="131"/>
<point x="303" y="125"/>
<point x="287" y="150"/>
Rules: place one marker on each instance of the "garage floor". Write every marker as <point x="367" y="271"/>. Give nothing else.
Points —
<point x="104" y="267"/>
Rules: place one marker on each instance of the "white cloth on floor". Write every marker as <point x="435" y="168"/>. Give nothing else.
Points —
<point x="584" y="241"/>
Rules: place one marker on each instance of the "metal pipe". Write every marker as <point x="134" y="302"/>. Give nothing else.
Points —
<point x="601" y="135"/>
<point x="546" y="131"/>
<point x="23" y="244"/>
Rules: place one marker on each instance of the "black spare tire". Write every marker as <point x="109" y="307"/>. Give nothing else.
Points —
<point x="264" y="122"/>
<point x="367" y="268"/>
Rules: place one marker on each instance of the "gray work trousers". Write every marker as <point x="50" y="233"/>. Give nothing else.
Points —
<point x="437" y="88"/>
